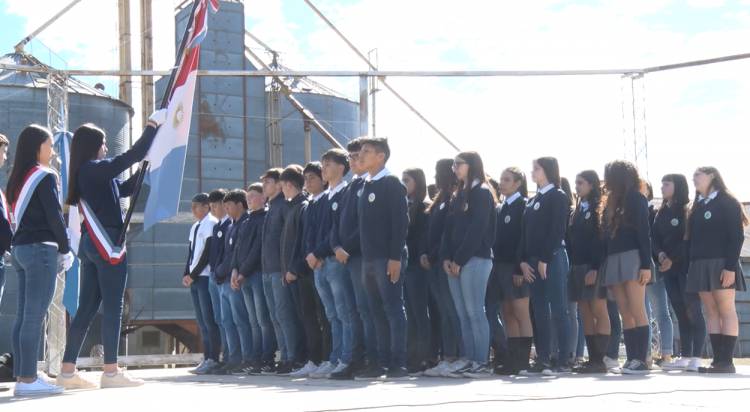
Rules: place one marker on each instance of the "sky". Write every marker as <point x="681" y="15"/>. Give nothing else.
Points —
<point x="694" y="117"/>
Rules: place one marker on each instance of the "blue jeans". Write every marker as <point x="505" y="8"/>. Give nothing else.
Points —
<point x="102" y="284"/>
<point x="387" y="309"/>
<point x="237" y="324"/>
<point x="334" y="286"/>
<point x="264" y="341"/>
<point x="657" y="307"/>
<point x="363" y="339"/>
<point x="268" y="280"/>
<point x="613" y="350"/>
<point x="687" y="307"/>
<point x="286" y="313"/>
<point x="549" y="299"/>
<point x="36" y="264"/>
<point x="450" y="327"/>
<point x="468" y="291"/>
<point x="416" y="292"/>
<point x="213" y="290"/>
<point x="204" y="314"/>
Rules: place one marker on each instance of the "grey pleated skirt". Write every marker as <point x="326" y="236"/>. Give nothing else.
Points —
<point x="577" y="289"/>
<point x="620" y="268"/>
<point x="704" y="275"/>
<point x="508" y="291"/>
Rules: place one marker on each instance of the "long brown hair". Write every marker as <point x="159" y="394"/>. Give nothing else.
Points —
<point x="717" y="184"/>
<point x="87" y="141"/>
<point x="420" y="191"/>
<point x="476" y="172"/>
<point x="445" y="180"/>
<point x="620" y="178"/>
<point x="28" y="145"/>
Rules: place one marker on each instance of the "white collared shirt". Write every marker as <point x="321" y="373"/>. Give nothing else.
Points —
<point x="710" y="197"/>
<point x="205" y="231"/>
<point x="547" y="188"/>
<point x="475" y="183"/>
<point x="318" y="196"/>
<point x="512" y="198"/>
<point x="584" y="206"/>
<point x="381" y="174"/>
<point x="332" y="192"/>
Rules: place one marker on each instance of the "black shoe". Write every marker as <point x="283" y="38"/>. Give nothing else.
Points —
<point x="268" y="369"/>
<point x="417" y="370"/>
<point x="590" y="368"/>
<point x="346" y="374"/>
<point x="372" y="373"/>
<point x="397" y="374"/>
<point x="215" y="369"/>
<point x="227" y="369"/>
<point x="285" y="369"/>
<point x="243" y="368"/>
<point x="538" y="368"/>
<point x="719" y="367"/>
<point x="505" y="370"/>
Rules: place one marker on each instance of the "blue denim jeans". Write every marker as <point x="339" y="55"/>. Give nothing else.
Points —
<point x="334" y="286"/>
<point x="237" y="324"/>
<point x="416" y="292"/>
<point x="363" y="339"/>
<point x="657" y="307"/>
<point x="36" y="266"/>
<point x="468" y="291"/>
<point x="286" y="313"/>
<point x="450" y="328"/>
<point x="213" y="290"/>
<point x="387" y="310"/>
<point x="549" y="299"/>
<point x="204" y="314"/>
<point x="613" y="350"/>
<point x="268" y="279"/>
<point x="264" y="340"/>
<point x="102" y="284"/>
<point x="690" y="321"/>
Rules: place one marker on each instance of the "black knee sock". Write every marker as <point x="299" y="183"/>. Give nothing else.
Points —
<point x="601" y="343"/>
<point x="643" y="342"/>
<point x="630" y="350"/>
<point x="591" y="346"/>
<point x="524" y="352"/>
<point x="716" y="346"/>
<point x="513" y="353"/>
<point x="728" y="348"/>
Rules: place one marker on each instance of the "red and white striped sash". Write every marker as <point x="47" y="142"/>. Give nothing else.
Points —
<point x="104" y="245"/>
<point x="30" y="182"/>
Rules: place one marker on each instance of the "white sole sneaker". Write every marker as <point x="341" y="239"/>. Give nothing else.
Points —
<point x="39" y="387"/>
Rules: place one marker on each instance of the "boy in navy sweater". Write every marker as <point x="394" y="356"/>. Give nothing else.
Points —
<point x="215" y="250"/>
<point x="383" y="225"/>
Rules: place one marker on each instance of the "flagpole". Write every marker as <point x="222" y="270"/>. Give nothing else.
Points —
<point x="164" y="103"/>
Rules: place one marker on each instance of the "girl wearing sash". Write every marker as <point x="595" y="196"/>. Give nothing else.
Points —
<point x="96" y="191"/>
<point x="39" y="240"/>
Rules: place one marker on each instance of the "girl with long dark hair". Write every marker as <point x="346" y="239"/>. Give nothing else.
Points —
<point x="669" y="247"/>
<point x="39" y="247"/>
<point x="466" y="254"/>
<point x="715" y="235"/>
<point x="95" y="189"/>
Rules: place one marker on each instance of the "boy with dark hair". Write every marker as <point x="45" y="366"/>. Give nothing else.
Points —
<point x="215" y="248"/>
<point x="233" y="311"/>
<point x="383" y="225"/>
<point x="331" y="278"/>
<point x="247" y="278"/>
<point x="197" y="277"/>
<point x="277" y="294"/>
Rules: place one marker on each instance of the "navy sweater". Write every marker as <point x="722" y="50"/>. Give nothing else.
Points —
<point x="216" y="245"/>
<point x="272" y="227"/>
<point x="246" y="258"/>
<point x="345" y="231"/>
<point x="292" y="254"/>
<point x="224" y="271"/>
<point x="545" y="221"/>
<point x="508" y="231"/>
<point x="633" y="233"/>
<point x="100" y="188"/>
<point x="311" y="223"/>
<point x="584" y="239"/>
<point x="470" y="228"/>
<point x="716" y="231"/>
<point x="43" y="220"/>
<point x="668" y="235"/>
<point x="383" y="219"/>
<point x="330" y="210"/>
<point x="417" y="236"/>
<point x="6" y="233"/>
<point x="436" y="220"/>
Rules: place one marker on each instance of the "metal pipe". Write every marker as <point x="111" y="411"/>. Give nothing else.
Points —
<point x="363" y="96"/>
<point x="123" y="14"/>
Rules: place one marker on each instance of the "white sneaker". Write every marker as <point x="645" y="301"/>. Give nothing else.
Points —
<point x="677" y="364"/>
<point x="454" y="367"/>
<point x="199" y="367"/>
<point x="120" y="380"/>
<point x="304" y="371"/>
<point x="340" y="367"/>
<point x="613" y="365"/>
<point x="75" y="381"/>
<point x="323" y="371"/>
<point x="694" y="364"/>
<point x="38" y="387"/>
<point x="437" y="370"/>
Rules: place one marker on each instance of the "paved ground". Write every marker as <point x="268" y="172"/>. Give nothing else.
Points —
<point x="173" y="390"/>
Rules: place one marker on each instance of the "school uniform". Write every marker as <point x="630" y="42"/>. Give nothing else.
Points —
<point x="383" y="225"/>
<point x="505" y="249"/>
<point x="200" y="274"/>
<point x="246" y="262"/>
<point x="103" y="270"/>
<point x="628" y="249"/>
<point x="40" y="236"/>
<point x="416" y="289"/>
<point x="468" y="241"/>
<point x="215" y="253"/>
<point x="585" y="247"/>
<point x="545" y="221"/>
<point x="668" y="237"/>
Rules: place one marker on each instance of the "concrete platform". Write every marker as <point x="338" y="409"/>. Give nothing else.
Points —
<point x="172" y="390"/>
